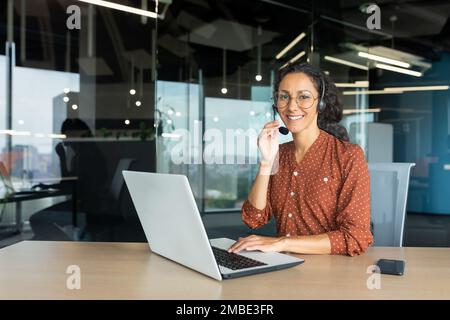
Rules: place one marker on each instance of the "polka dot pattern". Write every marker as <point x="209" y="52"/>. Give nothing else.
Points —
<point x="328" y="191"/>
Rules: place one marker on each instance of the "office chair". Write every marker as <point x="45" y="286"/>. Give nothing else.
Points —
<point x="110" y="213"/>
<point x="389" y="184"/>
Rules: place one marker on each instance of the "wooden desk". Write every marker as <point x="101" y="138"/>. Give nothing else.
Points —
<point x="37" y="270"/>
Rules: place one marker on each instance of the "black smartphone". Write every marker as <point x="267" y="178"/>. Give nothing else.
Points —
<point x="395" y="267"/>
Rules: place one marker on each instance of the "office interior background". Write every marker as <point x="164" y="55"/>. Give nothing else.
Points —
<point x="79" y="105"/>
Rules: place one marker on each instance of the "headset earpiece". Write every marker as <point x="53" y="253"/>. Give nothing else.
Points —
<point x="322" y="103"/>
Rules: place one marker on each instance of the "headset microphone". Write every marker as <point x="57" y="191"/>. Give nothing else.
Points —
<point x="283" y="130"/>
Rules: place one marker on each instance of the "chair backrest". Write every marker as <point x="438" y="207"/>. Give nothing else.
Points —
<point x="118" y="182"/>
<point x="389" y="184"/>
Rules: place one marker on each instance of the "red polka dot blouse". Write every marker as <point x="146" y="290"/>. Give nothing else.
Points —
<point x="328" y="191"/>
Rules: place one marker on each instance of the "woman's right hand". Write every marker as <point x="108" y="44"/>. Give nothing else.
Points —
<point x="268" y="143"/>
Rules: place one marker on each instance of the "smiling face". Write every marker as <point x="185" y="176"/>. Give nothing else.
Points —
<point x="297" y="119"/>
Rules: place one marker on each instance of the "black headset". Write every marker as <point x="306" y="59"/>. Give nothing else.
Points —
<point x="321" y="106"/>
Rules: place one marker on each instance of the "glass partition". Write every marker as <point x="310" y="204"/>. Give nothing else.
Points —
<point x="216" y="64"/>
<point x="82" y="110"/>
<point x="86" y="91"/>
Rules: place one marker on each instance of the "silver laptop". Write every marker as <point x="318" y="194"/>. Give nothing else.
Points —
<point x="172" y="224"/>
<point x="5" y="177"/>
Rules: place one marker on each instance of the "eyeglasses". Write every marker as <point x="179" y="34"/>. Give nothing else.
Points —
<point x="304" y="99"/>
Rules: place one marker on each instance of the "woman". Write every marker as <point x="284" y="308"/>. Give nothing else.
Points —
<point x="316" y="186"/>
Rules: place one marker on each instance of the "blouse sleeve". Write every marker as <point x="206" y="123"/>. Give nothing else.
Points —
<point x="353" y="235"/>
<point x="253" y="217"/>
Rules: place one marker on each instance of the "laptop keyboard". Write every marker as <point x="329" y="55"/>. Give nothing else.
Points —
<point x="234" y="261"/>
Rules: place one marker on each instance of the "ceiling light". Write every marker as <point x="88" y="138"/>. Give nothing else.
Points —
<point x="127" y="122"/>
<point x="170" y="135"/>
<point x="298" y="56"/>
<point x="57" y="136"/>
<point x="290" y="45"/>
<point x="66" y="99"/>
<point x="350" y="111"/>
<point x="121" y="7"/>
<point x="138" y="103"/>
<point x="258" y="76"/>
<point x="224" y="71"/>
<point x="74" y="107"/>
<point x="352" y="93"/>
<point x="15" y="133"/>
<point x="356" y="84"/>
<point x="347" y="63"/>
<point x="132" y="92"/>
<point x="422" y="88"/>
<point x="399" y="70"/>
<point x="384" y="59"/>
<point x="391" y="90"/>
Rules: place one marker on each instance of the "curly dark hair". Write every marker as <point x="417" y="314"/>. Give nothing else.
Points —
<point x="328" y="119"/>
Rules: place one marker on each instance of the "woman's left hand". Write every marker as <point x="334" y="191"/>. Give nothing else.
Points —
<point x="253" y="242"/>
